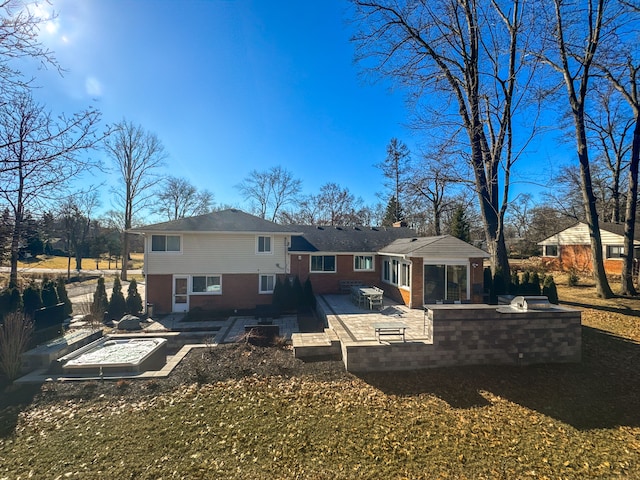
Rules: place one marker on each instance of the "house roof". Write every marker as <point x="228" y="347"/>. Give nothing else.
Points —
<point x="443" y="246"/>
<point x="224" y="221"/>
<point x="618" y="229"/>
<point x="346" y="239"/>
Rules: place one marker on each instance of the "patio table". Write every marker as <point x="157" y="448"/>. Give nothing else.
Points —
<point x="363" y="295"/>
<point x="396" y="329"/>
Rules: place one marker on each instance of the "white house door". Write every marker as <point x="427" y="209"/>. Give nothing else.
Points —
<point x="180" y="294"/>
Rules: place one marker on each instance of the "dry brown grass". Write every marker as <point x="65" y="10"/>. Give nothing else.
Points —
<point x="45" y="261"/>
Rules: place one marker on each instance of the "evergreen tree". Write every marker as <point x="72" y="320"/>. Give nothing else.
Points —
<point x="134" y="301"/>
<point x="488" y="286"/>
<point x="61" y="290"/>
<point x="49" y="293"/>
<point x="394" y="212"/>
<point x="460" y="227"/>
<point x="31" y="299"/>
<point x="278" y="299"/>
<point x="100" y="300"/>
<point x="515" y="283"/>
<point x="549" y="290"/>
<point x="309" y="297"/>
<point x="117" y="303"/>
<point x="535" y="284"/>
<point x="10" y="301"/>
<point x="297" y="293"/>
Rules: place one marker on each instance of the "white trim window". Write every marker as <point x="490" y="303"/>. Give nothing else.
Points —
<point x="395" y="267"/>
<point x="267" y="283"/>
<point x="323" y="264"/>
<point x="206" y="284"/>
<point x="550" y="250"/>
<point x="405" y="274"/>
<point x="615" y="251"/>
<point x="166" y="243"/>
<point x="386" y="269"/>
<point x="264" y="245"/>
<point x="363" y="263"/>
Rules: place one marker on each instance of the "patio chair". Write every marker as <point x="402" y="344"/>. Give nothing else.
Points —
<point x="375" y="301"/>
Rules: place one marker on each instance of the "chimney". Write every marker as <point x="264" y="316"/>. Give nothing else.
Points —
<point x="400" y="224"/>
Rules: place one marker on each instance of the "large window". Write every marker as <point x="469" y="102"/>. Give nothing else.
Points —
<point x="551" y="250"/>
<point x="394" y="271"/>
<point x="211" y="284"/>
<point x="264" y="244"/>
<point x="445" y="283"/>
<point x="405" y="274"/>
<point x="323" y="263"/>
<point x="165" y="243"/>
<point x="363" y="262"/>
<point x="386" y="268"/>
<point x="615" y="251"/>
<point x="267" y="283"/>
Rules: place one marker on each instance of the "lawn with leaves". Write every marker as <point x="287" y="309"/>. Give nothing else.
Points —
<point x="547" y="421"/>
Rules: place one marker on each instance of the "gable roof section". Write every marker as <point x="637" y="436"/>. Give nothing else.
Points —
<point x="224" y="221"/>
<point x="345" y="239"/>
<point x="441" y="247"/>
<point x="578" y="234"/>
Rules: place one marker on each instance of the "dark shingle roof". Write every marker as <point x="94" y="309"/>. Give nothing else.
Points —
<point x="345" y="239"/>
<point x="228" y="221"/>
<point x="442" y="247"/>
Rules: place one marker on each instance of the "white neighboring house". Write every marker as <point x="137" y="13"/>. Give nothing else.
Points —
<point x="571" y="248"/>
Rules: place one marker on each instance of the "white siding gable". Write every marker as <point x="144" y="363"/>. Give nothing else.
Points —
<point x="218" y="253"/>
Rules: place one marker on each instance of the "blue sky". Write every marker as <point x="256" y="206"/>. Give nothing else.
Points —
<point x="230" y="86"/>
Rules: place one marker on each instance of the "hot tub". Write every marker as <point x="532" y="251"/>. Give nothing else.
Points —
<point x="109" y="356"/>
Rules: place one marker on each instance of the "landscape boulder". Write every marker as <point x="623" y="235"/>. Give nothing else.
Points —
<point x="129" y="322"/>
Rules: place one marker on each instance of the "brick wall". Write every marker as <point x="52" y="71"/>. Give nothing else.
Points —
<point x="478" y="335"/>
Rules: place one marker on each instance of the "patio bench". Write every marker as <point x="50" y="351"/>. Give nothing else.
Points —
<point x="395" y="329"/>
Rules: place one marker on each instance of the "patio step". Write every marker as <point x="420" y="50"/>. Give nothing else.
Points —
<point x="316" y="346"/>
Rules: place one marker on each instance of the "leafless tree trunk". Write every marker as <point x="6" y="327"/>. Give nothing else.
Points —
<point x="573" y="58"/>
<point x="394" y="167"/>
<point x="38" y="156"/>
<point x="137" y="155"/>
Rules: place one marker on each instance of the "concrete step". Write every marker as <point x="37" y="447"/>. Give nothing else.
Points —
<point x="321" y="345"/>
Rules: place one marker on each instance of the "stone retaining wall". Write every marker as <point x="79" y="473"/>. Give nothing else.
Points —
<point x="477" y="335"/>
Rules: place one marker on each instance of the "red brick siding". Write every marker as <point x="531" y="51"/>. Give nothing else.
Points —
<point x="159" y="291"/>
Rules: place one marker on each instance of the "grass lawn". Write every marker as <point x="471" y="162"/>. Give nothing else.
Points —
<point x="546" y="421"/>
<point x="45" y="261"/>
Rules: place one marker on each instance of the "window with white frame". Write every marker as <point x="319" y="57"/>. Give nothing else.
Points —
<point x="363" y="262"/>
<point x="323" y="263"/>
<point x="210" y="284"/>
<point x="615" y="251"/>
<point x="394" y="271"/>
<point x="267" y="283"/>
<point x="165" y="243"/>
<point x="550" y="250"/>
<point x="405" y="274"/>
<point x="386" y="268"/>
<point x="264" y="244"/>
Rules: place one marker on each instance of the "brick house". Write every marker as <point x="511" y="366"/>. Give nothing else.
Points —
<point x="230" y="259"/>
<point x="571" y="248"/>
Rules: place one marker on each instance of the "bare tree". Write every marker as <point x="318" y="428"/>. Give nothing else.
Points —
<point x="610" y="126"/>
<point x="338" y="206"/>
<point x="271" y="190"/>
<point x="76" y="212"/>
<point x="179" y="199"/>
<point x="38" y="156"/>
<point x="19" y="28"/>
<point x="468" y="59"/>
<point x="575" y="34"/>
<point x="137" y="155"/>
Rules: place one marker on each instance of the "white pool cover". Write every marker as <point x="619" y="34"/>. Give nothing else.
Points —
<point x="114" y="352"/>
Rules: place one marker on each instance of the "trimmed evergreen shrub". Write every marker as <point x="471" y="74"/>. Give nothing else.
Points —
<point x="100" y="301"/>
<point x="133" y="301"/>
<point x="49" y="293"/>
<point x="499" y="284"/>
<point x="117" y="303"/>
<point x="297" y="293"/>
<point x="31" y="299"/>
<point x="549" y="290"/>
<point x="514" y="286"/>
<point x="535" y="284"/>
<point x="61" y="289"/>
<point x="309" y="297"/>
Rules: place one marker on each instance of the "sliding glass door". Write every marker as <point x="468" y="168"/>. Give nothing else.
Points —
<point x="445" y="283"/>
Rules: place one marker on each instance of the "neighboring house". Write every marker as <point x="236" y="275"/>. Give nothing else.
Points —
<point x="221" y="260"/>
<point x="231" y="259"/>
<point x="571" y="248"/>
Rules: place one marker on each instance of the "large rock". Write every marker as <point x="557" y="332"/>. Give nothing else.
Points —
<point x="129" y="322"/>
